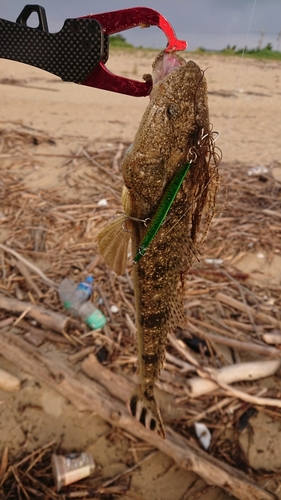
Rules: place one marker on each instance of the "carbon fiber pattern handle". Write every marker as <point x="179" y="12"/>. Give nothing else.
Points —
<point x="70" y="54"/>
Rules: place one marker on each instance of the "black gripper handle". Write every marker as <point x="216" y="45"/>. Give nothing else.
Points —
<point x="71" y="54"/>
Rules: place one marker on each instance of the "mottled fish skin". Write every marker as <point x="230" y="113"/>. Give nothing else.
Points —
<point x="174" y="129"/>
<point x="172" y="124"/>
<point x="167" y="131"/>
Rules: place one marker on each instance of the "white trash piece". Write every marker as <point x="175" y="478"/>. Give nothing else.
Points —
<point x="203" y="434"/>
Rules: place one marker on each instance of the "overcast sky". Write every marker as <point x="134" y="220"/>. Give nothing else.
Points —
<point x="211" y="24"/>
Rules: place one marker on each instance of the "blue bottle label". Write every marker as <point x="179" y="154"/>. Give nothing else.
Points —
<point x="86" y="287"/>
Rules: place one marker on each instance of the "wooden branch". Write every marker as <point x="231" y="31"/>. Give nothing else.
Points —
<point x="88" y="395"/>
<point x="236" y="304"/>
<point x="117" y="157"/>
<point x="8" y="382"/>
<point x="240" y="345"/>
<point x="30" y="283"/>
<point x="182" y="349"/>
<point x="272" y="338"/>
<point x="212" y="375"/>
<point x="185" y="367"/>
<point x="271" y="212"/>
<point x="113" y="382"/>
<point x="6" y="322"/>
<point x="244" y="396"/>
<point x="255" y="370"/>
<point x="34" y="268"/>
<point x="51" y="319"/>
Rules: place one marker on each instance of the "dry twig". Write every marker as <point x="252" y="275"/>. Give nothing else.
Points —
<point x="90" y="396"/>
<point x="54" y="320"/>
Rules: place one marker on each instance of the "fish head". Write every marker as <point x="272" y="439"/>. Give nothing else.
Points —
<point x="170" y="127"/>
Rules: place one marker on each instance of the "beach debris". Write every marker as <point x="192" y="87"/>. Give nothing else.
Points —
<point x="8" y="382"/>
<point x="215" y="262"/>
<point x="258" y="170"/>
<point x="68" y="469"/>
<point x="75" y="298"/>
<point x="102" y="202"/>
<point x="222" y="309"/>
<point x="203" y="434"/>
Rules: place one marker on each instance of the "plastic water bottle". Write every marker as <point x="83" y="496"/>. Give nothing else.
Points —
<point x="92" y="316"/>
<point x="66" y="291"/>
<point x="75" y="298"/>
<point x="72" y="295"/>
<point x="83" y="292"/>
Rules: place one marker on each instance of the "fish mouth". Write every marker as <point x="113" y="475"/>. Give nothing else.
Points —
<point x="164" y="64"/>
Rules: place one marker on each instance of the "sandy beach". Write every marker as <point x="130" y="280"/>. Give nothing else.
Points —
<point x="245" y="108"/>
<point x="244" y="101"/>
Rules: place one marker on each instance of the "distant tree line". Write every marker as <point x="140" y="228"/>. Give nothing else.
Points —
<point x="260" y="52"/>
<point x="266" y="52"/>
<point x="119" y="41"/>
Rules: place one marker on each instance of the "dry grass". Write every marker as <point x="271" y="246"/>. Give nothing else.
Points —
<point x="55" y="229"/>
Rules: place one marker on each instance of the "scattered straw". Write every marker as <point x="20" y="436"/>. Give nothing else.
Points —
<point x="52" y="232"/>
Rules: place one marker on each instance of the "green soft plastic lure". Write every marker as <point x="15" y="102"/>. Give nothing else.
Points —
<point x="162" y="210"/>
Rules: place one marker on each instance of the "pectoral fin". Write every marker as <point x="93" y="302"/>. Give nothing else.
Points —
<point x="113" y="242"/>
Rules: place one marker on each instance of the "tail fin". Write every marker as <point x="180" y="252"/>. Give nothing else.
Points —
<point x="146" y="411"/>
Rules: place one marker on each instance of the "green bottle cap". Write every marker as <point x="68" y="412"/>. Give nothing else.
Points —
<point x="96" y="320"/>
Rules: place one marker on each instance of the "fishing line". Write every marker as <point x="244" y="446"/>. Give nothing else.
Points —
<point x="240" y="67"/>
<point x="215" y="155"/>
<point x="215" y="151"/>
<point x="190" y="206"/>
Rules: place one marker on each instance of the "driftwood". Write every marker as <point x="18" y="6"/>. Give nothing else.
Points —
<point x="29" y="281"/>
<point x="45" y="224"/>
<point x="225" y="299"/>
<point x="8" y="382"/>
<point x="272" y="338"/>
<point x="29" y="264"/>
<point x="261" y="350"/>
<point x="115" y="384"/>
<point x="213" y="375"/>
<point x="255" y="370"/>
<point x="50" y="319"/>
<point x="89" y="395"/>
<point x="196" y="386"/>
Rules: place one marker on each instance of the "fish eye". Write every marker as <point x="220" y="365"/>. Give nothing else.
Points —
<point x="172" y="110"/>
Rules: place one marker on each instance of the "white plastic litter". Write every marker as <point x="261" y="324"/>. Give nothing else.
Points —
<point x="203" y="434"/>
<point x="217" y="262"/>
<point x="258" y="170"/>
<point x="102" y="203"/>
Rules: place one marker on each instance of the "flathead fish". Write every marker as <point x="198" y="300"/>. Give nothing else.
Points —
<point x="174" y="130"/>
